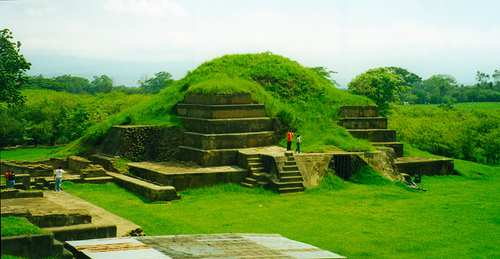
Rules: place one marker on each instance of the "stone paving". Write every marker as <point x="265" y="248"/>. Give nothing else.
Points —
<point x="200" y="246"/>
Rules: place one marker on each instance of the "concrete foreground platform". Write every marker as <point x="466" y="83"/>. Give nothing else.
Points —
<point x="198" y="246"/>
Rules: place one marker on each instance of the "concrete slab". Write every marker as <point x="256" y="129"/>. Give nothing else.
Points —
<point x="200" y="246"/>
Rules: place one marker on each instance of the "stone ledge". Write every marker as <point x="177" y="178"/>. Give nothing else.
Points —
<point x="219" y="99"/>
<point x="34" y="246"/>
<point x="150" y="191"/>
<point x="100" y="229"/>
<point x="16" y="193"/>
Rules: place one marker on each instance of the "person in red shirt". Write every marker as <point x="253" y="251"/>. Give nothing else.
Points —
<point x="10" y="180"/>
<point x="289" y="140"/>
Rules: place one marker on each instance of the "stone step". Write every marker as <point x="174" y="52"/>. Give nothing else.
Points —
<point x="397" y="146"/>
<point x="101" y="229"/>
<point x="229" y="140"/>
<point x="248" y="185"/>
<point x="98" y="180"/>
<point x="359" y="111"/>
<point x="282" y="185"/>
<point x="291" y="163"/>
<point x="290" y="168"/>
<point x="255" y="164"/>
<point x="290" y="190"/>
<point x="250" y="180"/>
<point x="290" y="173"/>
<point x="374" y="135"/>
<point x="221" y="111"/>
<point x="219" y="99"/>
<point x="233" y="125"/>
<point x="286" y="179"/>
<point x="209" y="158"/>
<point x="364" y="123"/>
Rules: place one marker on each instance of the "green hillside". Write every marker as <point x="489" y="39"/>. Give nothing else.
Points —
<point x="306" y="102"/>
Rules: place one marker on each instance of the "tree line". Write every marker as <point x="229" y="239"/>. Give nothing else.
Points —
<point x="394" y="85"/>
<point x="471" y="134"/>
<point x="99" y="84"/>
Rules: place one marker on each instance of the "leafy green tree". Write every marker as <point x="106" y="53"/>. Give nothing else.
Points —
<point x="496" y="78"/>
<point x="74" y="84"/>
<point x="154" y="85"/>
<point x="380" y="85"/>
<point x="326" y="74"/>
<point x="12" y="69"/>
<point x="102" y="84"/>
<point x="440" y="84"/>
<point x="408" y="77"/>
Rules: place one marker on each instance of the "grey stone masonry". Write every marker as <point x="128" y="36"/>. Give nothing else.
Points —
<point x="365" y="122"/>
<point x="220" y="123"/>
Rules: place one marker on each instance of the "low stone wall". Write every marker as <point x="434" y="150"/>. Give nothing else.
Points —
<point x="427" y="166"/>
<point x="190" y="180"/>
<point x="77" y="163"/>
<point x="101" y="229"/>
<point x="34" y="246"/>
<point x="14" y="193"/>
<point x="92" y="171"/>
<point x="150" y="191"/>
<point x="313" y="167"/>
<point x="34" y="170"/>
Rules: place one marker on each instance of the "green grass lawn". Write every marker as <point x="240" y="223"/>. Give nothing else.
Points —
<point x="13" y="226"/>
<point x="29" y="154"/>
<point x="458" y="216"/>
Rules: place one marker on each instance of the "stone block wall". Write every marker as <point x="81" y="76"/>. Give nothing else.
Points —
<point x="92" y="171"/>
<point x="76" y="163"/>
<point x="137" y="143"/>
<point x="34" y="246"/>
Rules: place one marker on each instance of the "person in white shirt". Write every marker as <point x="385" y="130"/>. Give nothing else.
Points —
<point x="58" y="178"/>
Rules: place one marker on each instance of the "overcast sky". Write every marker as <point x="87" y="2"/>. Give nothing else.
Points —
<point x="426" y="37"/>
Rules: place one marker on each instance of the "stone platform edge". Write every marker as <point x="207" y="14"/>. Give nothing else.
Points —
<point x="148" y="190"/>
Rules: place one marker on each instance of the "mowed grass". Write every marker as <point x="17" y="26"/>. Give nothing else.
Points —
<point x="13" y="226"/>
<point x="29" y="154"/>
<point x="458" y="216"/>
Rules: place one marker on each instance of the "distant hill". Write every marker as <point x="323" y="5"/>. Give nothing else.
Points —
<point x="122" y="72"/>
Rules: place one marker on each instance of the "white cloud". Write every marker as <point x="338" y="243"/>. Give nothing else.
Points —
<point x="146" y="8"/>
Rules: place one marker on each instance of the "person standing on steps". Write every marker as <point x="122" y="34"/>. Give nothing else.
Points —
<point x="10" y="179"/>
<point x="289" y="136"/>
<point x="298" y="144"/>
<point x="58" y="178"/>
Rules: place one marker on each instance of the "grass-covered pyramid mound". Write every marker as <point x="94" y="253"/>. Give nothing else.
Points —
<point x="306" y="102"/>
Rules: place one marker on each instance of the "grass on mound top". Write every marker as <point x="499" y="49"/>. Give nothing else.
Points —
<point x="306" y="102"/>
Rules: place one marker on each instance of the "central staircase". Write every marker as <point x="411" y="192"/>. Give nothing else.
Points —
<point x="220" y="127"/>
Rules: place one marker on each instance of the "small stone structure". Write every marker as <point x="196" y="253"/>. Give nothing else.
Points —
<point x="39" y="174"/>
<point x="364" y="122"/>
